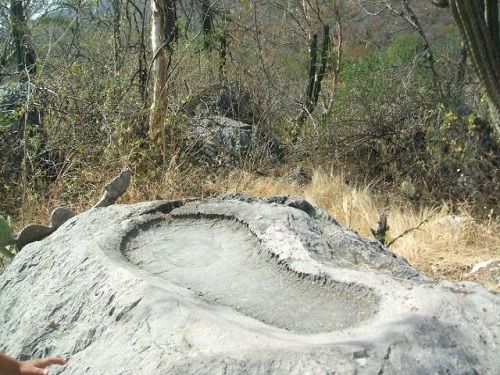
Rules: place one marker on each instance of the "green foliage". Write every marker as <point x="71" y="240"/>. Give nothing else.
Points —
<point x="462" y="145"/>
<point x="6" y="238"/>
<point x="381" y="118"/>
<point x="388" y="124"/>
<point x="403" y="50"/>
<point x="7" y="119"/>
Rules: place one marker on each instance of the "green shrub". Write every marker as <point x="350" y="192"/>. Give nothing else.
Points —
<point x="388" y="124"/>
<point x="6" y="238"/>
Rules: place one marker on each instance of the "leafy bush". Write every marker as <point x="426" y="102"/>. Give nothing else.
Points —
<point x="389" y="124"/>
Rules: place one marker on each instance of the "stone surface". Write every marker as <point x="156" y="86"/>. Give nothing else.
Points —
<point x="31" y="233"/>
<point x="489" y="268"/>
<point x="485" y="265"/>
<point x="115" y="189"/>
<point x="37" y="232"/>
<point x="223" y="126"/>
<point x="299" y="175"/>
<point x="216" y="135"/>
<point x="236" y="285"/>
<point x="59" y="216"/>
<point x="222" y="139"/>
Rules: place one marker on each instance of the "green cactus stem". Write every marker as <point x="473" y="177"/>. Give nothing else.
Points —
<point x="315" y="77"/>
<point x="478" y="22"/>
<point x="6" y="238"/>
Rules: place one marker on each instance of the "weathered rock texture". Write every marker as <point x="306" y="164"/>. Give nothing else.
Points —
<point x="219" y="139"/>
<point x="236" y="285"/>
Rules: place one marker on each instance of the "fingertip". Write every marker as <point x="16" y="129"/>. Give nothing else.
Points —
<point x="44" y="362"/>
<point x="60" y="360"/>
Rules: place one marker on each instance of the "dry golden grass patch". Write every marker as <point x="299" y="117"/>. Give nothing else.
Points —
<point x="444" y="246"/>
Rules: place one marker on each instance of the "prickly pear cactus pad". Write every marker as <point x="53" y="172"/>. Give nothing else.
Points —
<point x="236" y="285"/>
<point x="6" y="238"/>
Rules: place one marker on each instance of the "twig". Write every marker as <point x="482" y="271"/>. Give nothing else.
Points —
<point x="411" y="229"/>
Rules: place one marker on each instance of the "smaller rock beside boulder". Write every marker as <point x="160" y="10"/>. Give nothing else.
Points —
<point x="490" y="268"/>
<point x="491" y="264"/>
<point x="37" y="232"/>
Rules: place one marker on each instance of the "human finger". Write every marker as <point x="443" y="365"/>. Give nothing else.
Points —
<point x="44" y="362"/>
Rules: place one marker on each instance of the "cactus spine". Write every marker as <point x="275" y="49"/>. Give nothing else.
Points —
<point x="478" y="22"/>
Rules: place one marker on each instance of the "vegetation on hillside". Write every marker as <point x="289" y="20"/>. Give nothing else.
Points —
<point x="387" y="96"/>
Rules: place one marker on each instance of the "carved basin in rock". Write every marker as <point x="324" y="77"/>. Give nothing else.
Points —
<point x="236" y="285"/>
<point x="221" y="261"/>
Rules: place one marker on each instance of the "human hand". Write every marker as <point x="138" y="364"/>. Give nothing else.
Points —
<point x="11" y="366"/>
<point x="38" y="366"/>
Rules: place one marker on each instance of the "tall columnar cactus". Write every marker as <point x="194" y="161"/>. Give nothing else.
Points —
<point x="478" y="22"/>
<point x="315" y="77"/>
<point x="26" y="56"/>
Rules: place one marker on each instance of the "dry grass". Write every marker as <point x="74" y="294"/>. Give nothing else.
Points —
<point x="446" y="246"/>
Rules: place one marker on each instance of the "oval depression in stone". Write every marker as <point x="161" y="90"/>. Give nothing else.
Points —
<point x="221" y="261"/>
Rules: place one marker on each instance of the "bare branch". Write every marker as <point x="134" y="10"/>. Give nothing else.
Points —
<point x="425" y="220"/>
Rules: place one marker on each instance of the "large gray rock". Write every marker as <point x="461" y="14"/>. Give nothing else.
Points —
<point x="222" y="126"/>
<point x="221" y="139"/>
<point x="220" y="136"/>
<point x="237" y="285"/>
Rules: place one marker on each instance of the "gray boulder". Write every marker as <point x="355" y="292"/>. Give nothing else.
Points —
<point x="222" y="126"/>
<point x="236" y="285"/>
<point x="221" y="139"/>
<point x="219" y="135"/>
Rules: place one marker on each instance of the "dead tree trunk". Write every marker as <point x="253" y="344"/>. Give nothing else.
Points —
<point x="163" y="38"/>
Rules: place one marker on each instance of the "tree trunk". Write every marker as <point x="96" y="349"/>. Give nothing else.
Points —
<point x="163" y="37"/>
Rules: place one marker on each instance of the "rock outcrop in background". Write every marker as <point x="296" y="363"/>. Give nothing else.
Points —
<point x="236" y="285"/>
<point x="223" y="127"/>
